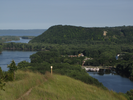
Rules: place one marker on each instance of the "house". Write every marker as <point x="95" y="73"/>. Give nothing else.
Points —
<point x="80" y="55"/>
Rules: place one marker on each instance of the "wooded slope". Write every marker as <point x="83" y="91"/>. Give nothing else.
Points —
<point x="72" y="35"/>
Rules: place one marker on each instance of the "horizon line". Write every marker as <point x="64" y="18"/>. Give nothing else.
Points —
<point x="68" y="25"/>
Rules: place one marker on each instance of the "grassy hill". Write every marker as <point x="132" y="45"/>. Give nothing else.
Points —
<point x="72" y="35"/>
<point x="34" y="86"/>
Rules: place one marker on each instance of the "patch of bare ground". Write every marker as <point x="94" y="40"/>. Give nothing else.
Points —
<point x="25" y="94"/>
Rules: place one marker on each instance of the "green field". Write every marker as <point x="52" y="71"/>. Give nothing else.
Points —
<point x="35" y="86"/>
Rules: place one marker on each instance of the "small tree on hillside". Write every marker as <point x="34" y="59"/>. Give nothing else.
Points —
<point x="12" y="68"/>
<point x="2" y="84"/>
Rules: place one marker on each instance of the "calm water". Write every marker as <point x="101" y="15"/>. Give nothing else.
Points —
<point x="7" y="56"/>
<point x="113" y="82"/>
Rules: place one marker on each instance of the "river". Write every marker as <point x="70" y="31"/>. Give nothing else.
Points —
<point x="7" y="56"/>
<point x="112" y="82"/>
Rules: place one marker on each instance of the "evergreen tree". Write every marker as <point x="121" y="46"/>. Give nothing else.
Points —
<point x="12" y="68"/>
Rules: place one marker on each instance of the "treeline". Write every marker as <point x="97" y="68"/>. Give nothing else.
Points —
<point x="103" y="54"/>
<point x="27" y="37"/>
<point x="73" y="35"/>
<point x="25" y="46"/>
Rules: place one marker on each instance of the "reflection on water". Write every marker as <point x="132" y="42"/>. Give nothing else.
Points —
<point x="113" y="82"/>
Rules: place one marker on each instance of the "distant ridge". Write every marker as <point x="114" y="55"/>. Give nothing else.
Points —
<point x="67" y="34"/>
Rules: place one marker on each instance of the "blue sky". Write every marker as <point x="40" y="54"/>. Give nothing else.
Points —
<point x="41" y="14"/>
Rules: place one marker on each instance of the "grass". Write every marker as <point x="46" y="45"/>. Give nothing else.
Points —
<point x="23" y="82"/>
<point x="55" y="87"/>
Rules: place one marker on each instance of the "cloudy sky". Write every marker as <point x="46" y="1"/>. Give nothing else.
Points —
<point x="41" y="14"/>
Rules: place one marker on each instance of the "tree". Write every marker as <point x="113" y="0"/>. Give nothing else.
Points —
<point x="23" y="64"/>
<point x="130" y="94"/>
<point x="12" y="68"/>
<point x="2" y="84"/>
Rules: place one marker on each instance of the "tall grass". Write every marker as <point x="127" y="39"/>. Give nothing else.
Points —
<point x="65" y="88"/>
<point x="23" y="82"/>
<point x="54" y="87"/>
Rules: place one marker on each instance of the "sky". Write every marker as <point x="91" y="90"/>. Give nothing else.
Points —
<point x="42" y="14"/>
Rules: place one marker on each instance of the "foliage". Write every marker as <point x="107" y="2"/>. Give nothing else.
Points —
<point x="2" y="84"/>
<point x="130" y="94"/>
<point x="8" y="76"/>
<point x="22" y="64"/>
<point x="12" y="68"/>
<point x="125" y="65"/>
<point x="27" y="37"/>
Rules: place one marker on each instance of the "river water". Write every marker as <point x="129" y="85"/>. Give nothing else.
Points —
<point x="7" y="56"/>
<point x="112" y="82"/>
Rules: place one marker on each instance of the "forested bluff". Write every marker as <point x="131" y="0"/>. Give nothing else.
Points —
<point x="102" y="44"/>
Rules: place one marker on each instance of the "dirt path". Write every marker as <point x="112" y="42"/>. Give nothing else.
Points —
<point x="25" y="94"/>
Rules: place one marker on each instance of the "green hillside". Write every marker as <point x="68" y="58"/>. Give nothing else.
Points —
<point x="34" y="86"/>
<point x="72" y="35"/>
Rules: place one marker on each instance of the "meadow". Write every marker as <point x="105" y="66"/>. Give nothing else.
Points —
<point x="35" y="86"/>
